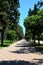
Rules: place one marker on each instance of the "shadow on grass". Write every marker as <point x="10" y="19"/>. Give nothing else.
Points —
<point x="4" y="45"/>
<point x="40" y="48"/>
<point x="19" y="63"/>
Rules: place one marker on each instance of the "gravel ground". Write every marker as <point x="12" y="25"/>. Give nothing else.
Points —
<point x="20" y="53"/>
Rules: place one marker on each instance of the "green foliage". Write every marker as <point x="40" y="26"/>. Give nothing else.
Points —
<point x="41" y="37"/>
<point x="34" y="44"/>
<point x="28" y="34"/>
<point x="40" y="3"/>
<point x="40" y="12"/>
<point x="20" y="34"/>
<point x="40" y="48"/>
<point x="11" y="35"/>
<point x="4" y="7"/>
<point x="5" y="43"/>
<point x="9" y="18"/>
<point x="34" y="11"/>
<point x="35" y="24"/>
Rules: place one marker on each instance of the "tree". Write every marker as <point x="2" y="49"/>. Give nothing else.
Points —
<point x="20" y="34"/>
<point x="14" y="14"/>
<point x="40" y="4"/>
<point x="30" y="13"/>
<point x="34" y="11"/>
<point x="29" y="24"/>
<point x="35" y="24"/>
<point x="9" y="15"/>
<point x="4" y="6"/>
<point x="39" y="25"/>
<point x="11" y="35"/>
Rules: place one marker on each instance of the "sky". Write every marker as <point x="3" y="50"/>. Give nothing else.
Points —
<point x="24" y="8"/>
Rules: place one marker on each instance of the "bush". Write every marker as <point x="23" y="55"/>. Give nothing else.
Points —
<point x="11" y="35"/>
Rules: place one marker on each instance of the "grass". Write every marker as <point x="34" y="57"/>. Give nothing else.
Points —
<point x="6" y="43"/>
<point x="38" y="47"/>
<point x="33" y="44"/>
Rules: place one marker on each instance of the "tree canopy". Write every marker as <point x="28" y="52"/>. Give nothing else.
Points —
<point x="9" y="18"/>
<point x="34" y="23"/>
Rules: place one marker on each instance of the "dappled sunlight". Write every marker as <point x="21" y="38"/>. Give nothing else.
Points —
<point x="25" y="47"/>
<point x="21" y="55"/>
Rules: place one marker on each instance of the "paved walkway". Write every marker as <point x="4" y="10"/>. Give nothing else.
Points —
<point x="20" y="53"/>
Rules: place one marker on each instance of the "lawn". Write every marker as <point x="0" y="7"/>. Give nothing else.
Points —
<point x="33" y="44"/>
<point x="5" y="43"/>
<point x="38" y="47"/>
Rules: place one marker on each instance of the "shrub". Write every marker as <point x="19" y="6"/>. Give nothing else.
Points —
<point x="11" y="35"/>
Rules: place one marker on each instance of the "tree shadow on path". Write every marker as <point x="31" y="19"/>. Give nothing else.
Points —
<point x="25" y="49"/>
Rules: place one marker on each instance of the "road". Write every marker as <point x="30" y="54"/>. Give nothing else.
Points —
<point x="20" y="53"/>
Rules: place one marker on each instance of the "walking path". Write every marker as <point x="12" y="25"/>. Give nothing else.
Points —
<point x="20" y="53"/>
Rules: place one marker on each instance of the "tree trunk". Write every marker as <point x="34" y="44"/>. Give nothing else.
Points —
<point x="38" y="39"/>
<point x="2" y="38"/>
<point x="34" y="36"/>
